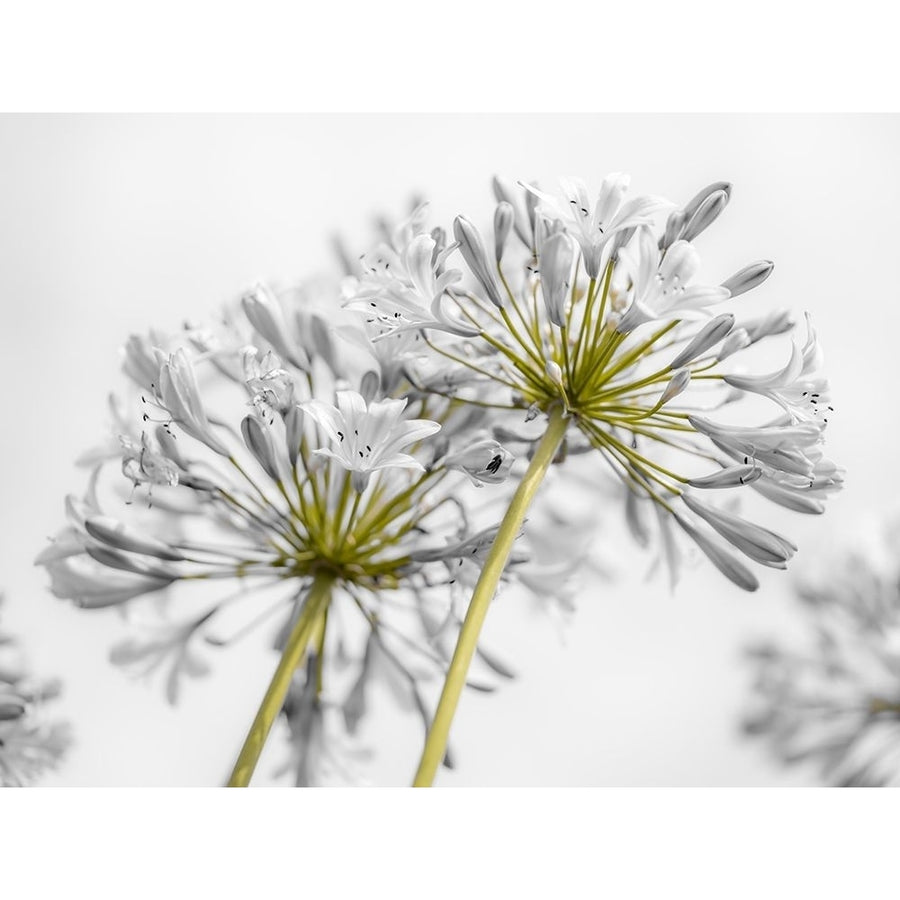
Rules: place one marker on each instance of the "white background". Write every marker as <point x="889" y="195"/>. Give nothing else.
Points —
<point x="112" y="224"/>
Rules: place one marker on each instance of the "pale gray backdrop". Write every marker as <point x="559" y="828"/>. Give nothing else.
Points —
<point x="111" y="224"/>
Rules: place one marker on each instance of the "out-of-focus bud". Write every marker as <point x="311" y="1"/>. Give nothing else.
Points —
<point x="116" y="534"/>
<point x="708" y="336"/>
<point x="259" y="443"/>
<point x="749" y="277"/>
<point x="772" y="323"/>
<point x="503" y="221"/>
<point x="293" y="429"/>
<point x="735" y="341"/>
<point x="368" y="386"/>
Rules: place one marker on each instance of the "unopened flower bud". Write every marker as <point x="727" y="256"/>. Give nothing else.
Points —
<point x="674" y="229"/>
<point x="555" y="267"/>
<point x="259" y="443"/>
<point x="554" y="373"/>
<point x="503" y="221"/>
<point x="368" y="386"/>
<point x="732" y="476"/>
<point x="777" y="322"/>
<point x="737" y="340"/>
<point x="11" y="708"/>
<point x="293" y="430"/>
<point x="707" y="213"/>
<point x="749" y="277"/>
<point x="116" y="534"/>
<point x="708" y="336"/>
<point x="698" y="199"/>
<point x="678" y="382"/>
<point x="472" y="248"/>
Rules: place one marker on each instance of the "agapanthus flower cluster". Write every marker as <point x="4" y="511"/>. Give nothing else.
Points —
<point x="31" y="741"/>
<point x="592" y="310"/>
<point x="831" y="699"/>
<point x="271" y="452"/>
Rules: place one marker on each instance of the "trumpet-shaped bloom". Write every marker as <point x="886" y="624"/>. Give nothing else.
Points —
<point x="366" y="439"/>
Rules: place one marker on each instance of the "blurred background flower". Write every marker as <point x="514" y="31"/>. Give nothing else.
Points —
<point x="32" y="741"/>
<point x="831" y="698"/>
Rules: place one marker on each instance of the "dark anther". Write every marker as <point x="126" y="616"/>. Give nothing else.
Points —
<point x="360" y="453"/>
<point x="341" y="436"/>
<point x="494" y="465"/>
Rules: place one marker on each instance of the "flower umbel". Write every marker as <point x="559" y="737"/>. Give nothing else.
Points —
<point x="833" y="699"/>
<point x="602" y="316"/>
<point x="269" y="457"/>
<point x="31" y="743"/>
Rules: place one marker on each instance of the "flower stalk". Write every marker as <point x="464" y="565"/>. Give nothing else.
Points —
<point x="467" y="642"/>
<point x="294" y="653"/>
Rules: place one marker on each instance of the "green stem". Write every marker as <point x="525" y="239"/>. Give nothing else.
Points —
<point x="436" y="742"/>
<point x="294" y="652"/>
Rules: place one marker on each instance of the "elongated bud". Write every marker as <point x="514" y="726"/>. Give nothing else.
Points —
<point x="700" y="197"/>
<point x="555" y="264"/>
<point x="116" y="534"/>
<point x="749" y="277"/>
<point x="322" y="341"/>
<point x="707" y="213"/>
<point x="731" y="568"/>
<point x="732" y="476"/>
<point x="504" y="193"/>
<point x="259" y="443"/>
<point x="760" y="544"/>
<point x="265" y="314"/>
<point x="674" y="228"/>
<point x="293" y="430"/>
<point x="773" y="323"/>
<point x="503" y="222"/>
<point x="678" y="382"/>
<point x="485" y="462"/>
<point x="708" y="336"/>
<point x="169" y="447"/>
<point x="637" y="524"/>
<point x="735" y="341"/>
<point x="116" y="559"/>
<point x="472" y="248"/>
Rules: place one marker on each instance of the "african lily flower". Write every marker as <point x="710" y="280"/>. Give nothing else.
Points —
<point x="265" y="455"/>
<point x="831" y="698"/>
<point x="599" y="325"/>
<point x="31" y="743"/>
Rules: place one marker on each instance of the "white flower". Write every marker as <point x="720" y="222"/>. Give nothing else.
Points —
<point x="658" y="285"/>
<point x="368" y="438"/>
<point x="800" y="387"/>
<point x="180" y="394"/>
<point x="405" y="289"/>
<point x="593" y="228"/>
